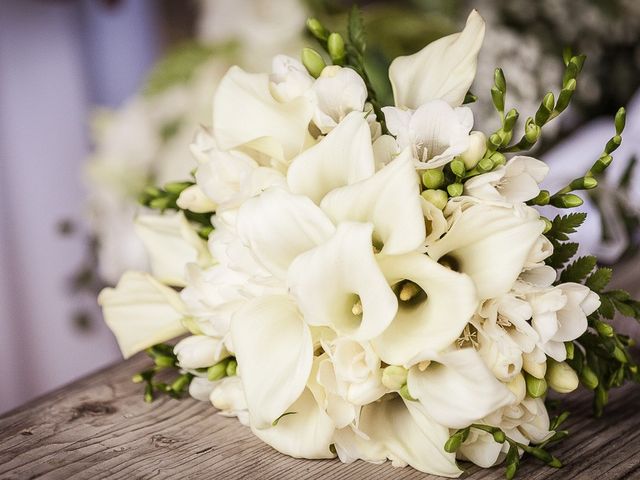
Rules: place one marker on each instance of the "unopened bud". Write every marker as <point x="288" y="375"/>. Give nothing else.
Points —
<point x="432" y="178"/>
<point x="561" y="377"/>
<point x="335" y="46"/>
<point x="588" y="378"/>
<point x="455" y="189"/>
<point x="532" y="132"/>
<point x="620" y="120"/>
<point x="536" y="387"/>
<point x="548" y="225"/>
<point x="458" y="168"/>
<point x="566" y="200"/>
<point x="510" y="120"/>
<point x="194" y="199"/>
<point x="476" y="150"/>
<point x="404" y="393"/>
<point x="313" y="62"/>
<point x="533" y="368"/>
<point x="604" y="329"/>
<point x="542" y="198"/>
<point x="217" y="371"/>
<point x="436" y="197"/>
<point x="518" y="386"/>
<point x="316" y="29"/>
<point x="498" y="159"/>
<point x="499" y="80"/>
<point x="394" y="377"/>
<point x="232" y="366"/>
<point x="485" y="165"/>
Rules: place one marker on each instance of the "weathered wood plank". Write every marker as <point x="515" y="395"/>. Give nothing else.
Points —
<point x="99" y="427"/>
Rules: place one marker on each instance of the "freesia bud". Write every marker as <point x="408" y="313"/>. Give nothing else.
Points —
<point x="455" y="189"/>
<point x="194" y="199"/>
<point x="313" y="62"/>
<point x="532" y="132"/>
<point x="518" y="386"/>
<point x="432" y="178"/>
<point x="566" y="200"/>
<point x="561" y="377"/>
<point x="536" y="387"/>
<point x="394" y="377"/>
<point x="436" y="197"/>
<point x="588" y="378"/>
<point x="531" y="367"/>
<point x="217" y="371"/>
<point x="335" y="45"/>
<point x="476" y="150"/>
<point x="620" y="120"/>
<point x="317" y="29"/>
<point x="404" y="393"/>
<point x="458" y="168"/>
<point x="485" y="165"/>
<point x="198" y="351"/>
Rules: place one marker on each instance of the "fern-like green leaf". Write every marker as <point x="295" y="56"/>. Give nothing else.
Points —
<point x="579" y="269"/>
<point x="563" y="225"/>
<point x="599" y="279"/>
<point x="357" y="35"/>
<point x="562" y="253"/>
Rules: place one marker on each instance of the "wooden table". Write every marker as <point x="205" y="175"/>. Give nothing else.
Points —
<point x="99" y="427"/>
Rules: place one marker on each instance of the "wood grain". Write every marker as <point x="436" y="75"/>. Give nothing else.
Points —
<point x="99" y="427"/>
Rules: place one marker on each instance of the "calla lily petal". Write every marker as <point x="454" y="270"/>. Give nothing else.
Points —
<point x="419" y="323"/>
<point x="409" y="435"/>
<point x="332" y="279"/>
<point x="443" y="69"/>
<point x="343" y="157"/>
<point x="457" y="388"/>
<point x="306" y="432"/>
<point x="141" y="312"/>
<point x="278" y="226"/>
<point x="390" y="200"/>
<point x="274" y="351"/>
<point x="171" y="243"/>
<point x="490" y="243"/>
<point x="246" y="114"/>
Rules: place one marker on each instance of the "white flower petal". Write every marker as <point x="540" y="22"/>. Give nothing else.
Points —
<point x="338" y="92"/>
<point x="432" y="321"/>
<point x="343" y="157"/>
<point x="459" y="389"/>
<point x="278" y="226"/>
<point x="330" y="279"/>
<point x="491" y="244"/>
<point x="274" y="351"/>
<point x="246" y="114"/>
<point x="306" y="433"/>
<point x="443" y="69"/>
<point x="409" y="435"/>
<point x="172" y="243"/>
<point x="141" y="312"/>
<point x="390" y="200"/>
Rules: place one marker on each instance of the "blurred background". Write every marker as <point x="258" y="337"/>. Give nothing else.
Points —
<point x="100" y="98"/>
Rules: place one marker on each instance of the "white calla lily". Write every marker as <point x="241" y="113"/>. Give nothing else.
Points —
<point x="409" y="435"/>
<point x="457" y="388"/>
<point x="278" y="226"/>
<point x="390" y="200"/>
<point x="444" y="69"/>
<point x="246" y="114"/>
<point x="274" y="351"/>
<point x="306" y="432"/>
<point x="141" y="312"/>
<point x="343" y="157"/>
<point x="434" y="317"/>
<point x="489" y="242"/>
<point x="339" y="284"/>
<point x="435" y="132"/>
<point x="516" y="182"/>
<point x="171" y="243"/>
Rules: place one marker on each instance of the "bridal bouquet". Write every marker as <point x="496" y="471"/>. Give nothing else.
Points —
<point x="375" y="281"/>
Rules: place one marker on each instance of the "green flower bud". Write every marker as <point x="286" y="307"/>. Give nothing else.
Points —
<point x="498" y="159"/>
<point x="148" y="393"/>
<point x="137" y="378"/>
<point x="499" y="436"/>
<point x="404" y="393"/>
<point x="217" y="371"/>
<point x="485" y="165"/>
<point x="536" y="387"/>
<point x="566" y="200"/>
<point x="394" y="377"/>
<point x="532" y="132"/>
<point x="232" y="366"/>
<point x="152" y="191"/>
<point x="177" y="187"/>
<point x="161" y="203"/>
<point x="499" y="80"/>
<point x="569" y="346"/>
<point x="495" y="140"/>
<point x="454" y="442"/>
<point x="436" y="197"/>
<point x="498" y="99"/>
<point x="588" y="378"/>
<point x="542" y="198"/>
<point x="510" y="120"/>
<point x="619" y="355"/>
<point x="458" y="168"/>
<point x="335" y="46"/>
<point x="317" y="29"/>
<point x="561" y="377"/>
<point x="613" y="144"/>
<point x="455" y="189"/>
<point x="620" y="120"/>
<point x="181" y="383"/>
<point x="547" y="224"/>
<point x="548" y="101"/>
<point x="164" y="361"/>
<point x="604" y="329"/>
<point x="432" y="178"/>
<point x="313" y="62"/>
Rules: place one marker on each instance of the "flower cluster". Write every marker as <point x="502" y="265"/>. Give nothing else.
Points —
<point x="371" y="285"/>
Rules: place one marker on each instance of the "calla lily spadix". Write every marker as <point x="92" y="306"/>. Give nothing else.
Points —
<point x="444" y="69"/>
<point x="339" y="284"/>
<point x="274" y="351"/>
<point x="142" y="312"/>
<point x="434" y="318"/>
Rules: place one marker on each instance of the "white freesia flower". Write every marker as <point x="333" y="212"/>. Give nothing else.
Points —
<point x="489" y="242"/>
<point x="193" y="198"/>
<point x="444" y="69"/>
<point x="338" y="92"/>
<point x="141" y="312"/>
<point x="515" y="182"/>
<point x="245" y="114"/>
<point x="289" y="79"/>
<point x="228" y="397"/>
<point x="200" y="388"/>
<point x="171" y="243"/>
<point x="199" y="351"/>
<point x="435" y="131"/>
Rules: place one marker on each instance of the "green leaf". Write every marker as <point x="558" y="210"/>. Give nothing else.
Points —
<point x="578" y="270"/>
<point x="563" y="225"/>
<point x="599" y="279"/>
<point x="357" y="35"/>
<point x="562" y="253"/>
